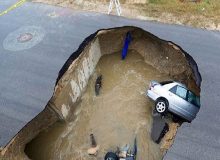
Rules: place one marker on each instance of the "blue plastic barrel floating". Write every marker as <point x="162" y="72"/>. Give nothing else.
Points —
<point x="126" y="44"/>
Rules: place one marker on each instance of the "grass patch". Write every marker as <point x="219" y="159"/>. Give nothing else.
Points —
<point x="157" y="1"/>
<point x="208" y="8"/>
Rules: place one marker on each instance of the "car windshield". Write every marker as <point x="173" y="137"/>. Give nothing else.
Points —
<point x="193" y="99"/>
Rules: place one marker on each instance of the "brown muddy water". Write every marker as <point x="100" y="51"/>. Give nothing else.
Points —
<point x="119" y="114"/>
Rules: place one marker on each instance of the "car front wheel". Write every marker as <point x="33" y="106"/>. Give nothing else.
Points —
<point x="161" y="106"/>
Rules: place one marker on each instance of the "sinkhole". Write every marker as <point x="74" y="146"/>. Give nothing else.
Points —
<point x="120" y="113"/>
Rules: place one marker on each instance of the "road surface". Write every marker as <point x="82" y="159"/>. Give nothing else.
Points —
<point x="28" y="72"/>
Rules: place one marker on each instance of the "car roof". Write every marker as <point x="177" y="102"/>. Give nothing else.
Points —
<point x="180" y="84"/>
<point x="173" y="82"/>
<point x="170" y="84"/>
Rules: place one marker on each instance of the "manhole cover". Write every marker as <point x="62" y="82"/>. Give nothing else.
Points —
<point x="24" y="38"/>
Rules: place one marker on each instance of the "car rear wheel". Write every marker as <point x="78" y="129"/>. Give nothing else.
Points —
<point x="161" y="106"/>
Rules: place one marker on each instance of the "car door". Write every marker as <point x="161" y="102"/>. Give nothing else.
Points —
<point x="178" y="95"/>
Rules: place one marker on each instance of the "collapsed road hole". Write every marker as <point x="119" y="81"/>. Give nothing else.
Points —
<point x="116" y="116"/>
<point x="120" y="113"/>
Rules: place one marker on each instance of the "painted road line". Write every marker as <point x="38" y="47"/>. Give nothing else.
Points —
<point x="19" y="3"/>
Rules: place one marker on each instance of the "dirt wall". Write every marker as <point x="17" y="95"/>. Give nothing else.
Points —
<point x="71" y="86"/>
<point x="166" y="56"/>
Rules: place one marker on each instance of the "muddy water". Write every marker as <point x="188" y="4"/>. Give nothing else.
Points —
<point x="119" y="114"/>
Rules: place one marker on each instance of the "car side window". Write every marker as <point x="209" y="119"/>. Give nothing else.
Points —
<point x="173" y="89"/>
<point x="182" y="92"/>
<point x="179" y="91"/>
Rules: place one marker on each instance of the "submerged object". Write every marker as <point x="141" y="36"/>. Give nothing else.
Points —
<point x="98" y="85"/>
<point x="94" y="149"/>
<point x="126" y="44"/>
<point x="135" y="148"/>
<point x="124" y="153"/>
<point x="93" y="141"/>
<point x="111" y="156"/>
<point x="132" y="154"/>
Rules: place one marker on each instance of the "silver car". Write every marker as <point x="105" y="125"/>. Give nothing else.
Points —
<point x="174" y="97"/>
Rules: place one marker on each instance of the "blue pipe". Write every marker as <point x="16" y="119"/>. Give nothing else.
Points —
<point x="126" y="44"/>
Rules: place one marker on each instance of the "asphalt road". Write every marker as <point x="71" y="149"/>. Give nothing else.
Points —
<point x="28" y="73"/>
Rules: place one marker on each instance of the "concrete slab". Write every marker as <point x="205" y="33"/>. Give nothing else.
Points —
<point x="159" y="128"/>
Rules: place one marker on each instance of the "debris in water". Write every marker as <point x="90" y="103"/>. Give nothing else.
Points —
<point x="135" y="148"/>
<point x="124" y="153"/>
<point x="93" y="141"/>
<point x="98" y="85"/>
<point x="111" y="155"/>
<point x="94" y="149"/>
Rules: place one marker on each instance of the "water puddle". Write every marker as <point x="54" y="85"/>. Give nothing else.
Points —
<point x="115" y="117"/>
